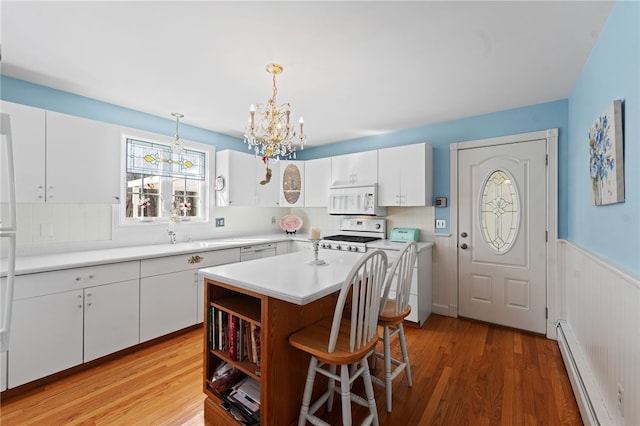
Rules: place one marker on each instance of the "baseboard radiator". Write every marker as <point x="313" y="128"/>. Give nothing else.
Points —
<point x="599" y="336"/>
<point x="582" y="380"/>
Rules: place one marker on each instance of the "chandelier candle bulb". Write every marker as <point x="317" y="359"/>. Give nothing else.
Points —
<point x="315" y="234"/>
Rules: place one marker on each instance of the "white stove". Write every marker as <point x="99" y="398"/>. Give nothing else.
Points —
<point x="354" y="234"/>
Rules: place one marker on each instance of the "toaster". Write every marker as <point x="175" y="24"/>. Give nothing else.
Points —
<point x="401" y="235"/>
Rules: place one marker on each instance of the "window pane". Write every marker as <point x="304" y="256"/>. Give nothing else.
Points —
<point x="143" y="196"/>
<point x="157" y="159"/>
<point x="186" y="196"/>
<point x="499" y="211"/>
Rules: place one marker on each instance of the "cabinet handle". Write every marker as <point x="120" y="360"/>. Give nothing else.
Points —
<point x="88" y="304"/>
<point x="195" y="259"/>
<point x="78" y="278"/>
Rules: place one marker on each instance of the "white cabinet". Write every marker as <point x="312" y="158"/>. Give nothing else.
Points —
<point x="317" y="180"/>
<point x="242" y="174"/>
<point x="46" y="336"/>
<point x="283" y="247"/>
<point x="171" y="297"/>
<point x="83" y="160"/>
<point x="299" y="245"/>
<point x="291" y="183"/>
<point x="238" y="171"/>
<point x="62" y="158"/>
<point x="111" y="318"/>
<point x="267" y="183"/>
<point x="420" y="296"/>
<point x="405" y="175"/>
<point x="63" y="318"/>
<point x="28" y="135"/>
<point x="360" y="167"/>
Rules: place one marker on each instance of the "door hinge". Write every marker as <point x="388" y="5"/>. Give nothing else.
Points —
<point x="546" y="313"/>
<point x="546" y="159"/>
<point x="546" y="236"/>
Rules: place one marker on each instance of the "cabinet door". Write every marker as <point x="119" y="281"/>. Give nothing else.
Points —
<point x="167" y="303"/>
<point x="390" y="164"/>
<point x="83" y="160"/>
<point x="46" y="336"/>
<point x="267" y="188"/>
<point x="415" y="175"/>
<point x="360" y="167"/>
<point x="291" y="184"/>
<point x="317" y="180"/>
<point x="111" y="318"/>
<point x="28" y="136"/>
<point x="238" y="170"/>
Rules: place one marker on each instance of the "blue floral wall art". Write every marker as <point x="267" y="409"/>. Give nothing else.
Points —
<point x="606" y="157"/>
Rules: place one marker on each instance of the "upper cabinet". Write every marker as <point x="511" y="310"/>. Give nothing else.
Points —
<point x="245" y="180"/>
<point x="83" y="160"/>
<point x="62" y="158"/>
<point x="28" y="135"/>
<point x="360" y="167"/>
<point x="317" y="181"/>
<point x="291" y="185"/>
<point x="405" y="175"/>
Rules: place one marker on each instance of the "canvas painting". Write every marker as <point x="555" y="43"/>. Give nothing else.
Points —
<point x="606" y="157"/>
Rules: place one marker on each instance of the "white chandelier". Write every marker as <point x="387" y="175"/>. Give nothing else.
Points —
<point x="177" y="145"/>
<point x="270" y="134"/>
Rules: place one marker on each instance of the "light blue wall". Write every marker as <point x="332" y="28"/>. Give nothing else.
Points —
<point x="23" y="92"/>
<point x="521" y="120"/>
<point x="612" y="72"/>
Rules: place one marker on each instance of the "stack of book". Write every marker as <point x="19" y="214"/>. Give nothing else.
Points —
<point x="238" y="338"/>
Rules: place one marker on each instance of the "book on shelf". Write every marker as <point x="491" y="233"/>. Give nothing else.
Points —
<point x="233" y="322"/>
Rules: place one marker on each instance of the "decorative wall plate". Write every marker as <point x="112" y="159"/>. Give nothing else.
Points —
<point x="290" y="223"/>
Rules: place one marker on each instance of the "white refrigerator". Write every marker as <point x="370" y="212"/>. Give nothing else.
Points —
<point x="7" y="241"/>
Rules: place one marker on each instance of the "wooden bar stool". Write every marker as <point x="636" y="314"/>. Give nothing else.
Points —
<point x="346" y="339"/>
<point x="393" y="311"/>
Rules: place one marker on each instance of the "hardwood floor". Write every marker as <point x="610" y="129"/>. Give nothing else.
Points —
<point x="464" y="372"/>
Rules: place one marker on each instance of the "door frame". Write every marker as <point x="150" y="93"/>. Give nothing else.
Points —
<point x="554" y="297"/>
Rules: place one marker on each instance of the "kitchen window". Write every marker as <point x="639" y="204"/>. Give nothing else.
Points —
<point x="161" y="185"/>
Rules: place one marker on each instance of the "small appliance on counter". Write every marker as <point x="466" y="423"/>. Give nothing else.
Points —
<point x="401" y="235"/>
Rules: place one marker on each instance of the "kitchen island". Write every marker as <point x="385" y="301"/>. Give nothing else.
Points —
<point x="279" y="296"/>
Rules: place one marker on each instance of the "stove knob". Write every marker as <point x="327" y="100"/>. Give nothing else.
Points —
<point x="349" y="248"/>
<point x="337" y="246"/>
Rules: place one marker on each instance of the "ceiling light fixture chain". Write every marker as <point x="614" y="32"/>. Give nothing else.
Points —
<point x="270" y="133"/>
<point x="177" y="145"/>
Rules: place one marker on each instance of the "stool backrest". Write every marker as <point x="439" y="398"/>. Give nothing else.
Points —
<point x="399" y="277"/>
<point x="361" y="290"/>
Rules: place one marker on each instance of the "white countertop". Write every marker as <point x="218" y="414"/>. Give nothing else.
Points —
<point x="288" y="277"/>
<point x="57" y="261"/>
<point x="76" y="259"/>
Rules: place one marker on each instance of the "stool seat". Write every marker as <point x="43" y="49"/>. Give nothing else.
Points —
<point x="313" y="340"/>
<point x="388" y="316"/>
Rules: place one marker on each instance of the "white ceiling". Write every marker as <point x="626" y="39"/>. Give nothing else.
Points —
<point x="352" y="69"/>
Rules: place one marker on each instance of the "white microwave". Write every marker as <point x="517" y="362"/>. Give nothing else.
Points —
<point x="355" y="199"/>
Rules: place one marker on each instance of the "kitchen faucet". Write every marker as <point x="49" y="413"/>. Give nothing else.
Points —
<point x="172" y="236"/>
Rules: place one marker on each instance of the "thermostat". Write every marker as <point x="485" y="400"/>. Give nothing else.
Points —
<point x="441" y="201"/>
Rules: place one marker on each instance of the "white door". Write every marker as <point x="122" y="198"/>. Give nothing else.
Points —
<point x="502" y="234"/>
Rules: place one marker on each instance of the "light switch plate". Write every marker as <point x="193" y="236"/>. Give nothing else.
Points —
<point x="219" y="222"/>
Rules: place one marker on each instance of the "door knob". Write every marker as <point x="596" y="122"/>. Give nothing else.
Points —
<point x="464" y="235"/>
<point x="464" y="246"/>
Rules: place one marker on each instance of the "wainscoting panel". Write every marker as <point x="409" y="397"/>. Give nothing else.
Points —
<point x="602" y="311"/>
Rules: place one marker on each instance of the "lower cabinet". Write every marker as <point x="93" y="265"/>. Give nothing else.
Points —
<point x="171" y="298"/>
<point x="57" y="331"/>
<point x="63" y="318"/>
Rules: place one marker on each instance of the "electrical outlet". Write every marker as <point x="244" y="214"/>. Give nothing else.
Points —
<point x="621" y="398"/>
<point x="219" y="222"/>
<point x="441" y="223"/>
<point x="273" y="220"/>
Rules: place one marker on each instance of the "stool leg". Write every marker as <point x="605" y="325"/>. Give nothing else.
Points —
<point x="308" y="388"/>
<point x="345" y="391"/>
<point x="405" y="355"/>
<point x="368" y="388"/>
<point x="387" y="367"/>
<point x="332" y="387"/>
